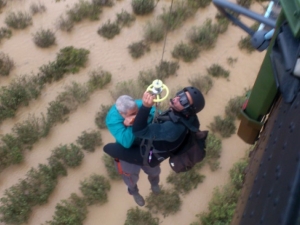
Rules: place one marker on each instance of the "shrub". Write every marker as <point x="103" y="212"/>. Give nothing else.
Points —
<point x="124" y="19"/>
<point x="19" y="20"/>
<point x="237" y="173"/>
<point x="185" y="182"/>
<point x="44" y="38"/>
<point x="216" y="70"/>
<point x="57" y="112"/>
<point x="166" y="202"/>
<point x="29" y="131"/>
<point x="109" y="30"/>
<point x="154" y="31"/>
<point x="70" y="155"/>
<point x="205" y="37"/>
<point x="138" y="49"/>
<point x="142" y="7"/>
<point x="165" y="69"/>
<point x="101" y="115"/>
<point x="6" y="64"/>
<point x="213" y="151"/>
<point x="225" y="127"/>
<point x="244" y="3"/>
<point x="222" y="23"/>
<point x="50" y="72"/>
<point x="146" y="78"/>
<point x="231" y="61"/>
<point x="128" y="87"/>
<point x="175" y="18"/>
<point x="203" y="83"/>
<point x="98" y="79"/>
<point x="136" y="216"/>
<point x="5" y="33"/>
<point x="198" y="3"/>
<point x="70" y="211"/>
<point x="245" y="44"/>
<point x="37" y="8"/>
<point x="89" y="140"/>
<point x="95" y="189"/>
<point x="83" y="10"/>
<point x="234" y="106"/>
<point x="108" y="3"/>
<point x="65" y="24"/>
<point x="186" y="52"/>
<point x="109" y="164"/>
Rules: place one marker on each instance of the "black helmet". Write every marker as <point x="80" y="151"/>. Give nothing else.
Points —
<point x="198" y="101"/>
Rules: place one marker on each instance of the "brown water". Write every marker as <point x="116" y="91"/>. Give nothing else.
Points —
<point x="112" y="55"/>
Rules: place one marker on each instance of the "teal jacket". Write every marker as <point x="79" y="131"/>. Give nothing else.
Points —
<point x="122" y="134"/>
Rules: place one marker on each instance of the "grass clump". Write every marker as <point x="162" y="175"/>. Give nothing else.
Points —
<point x="185" y="182"/>
<point x="6" y="64"/>
<point x="70" y="211"/>
<point x="37" y="8"/>
<point x="95" y="189"/>
<point x="128" y="87"/>
<point x="109" y="30"/>
<point x="18" y="20"/>
<point x="125" y="19"/>
<point x="234" y="106"/>
<point x="245" y="42"/>
<point x="222" y="23"/>
<point x="138" y="49"/>
<point x="231" y="61"/>
<point x="218" y="212"/>
<point x="108" y="3"/>
<point x="64" y="24"/>
<point x="216" y="70"/>
<point x="198" y="3"/>
<point x="83" y="10"/>
<point x="213" y="152"/>
<point x="136" y="216"/>
<point x="175" y="18"/>
<point x="203" y="83"/>
<point x="186" y="52"/>
<point x="205" y="37"/>
<point x="44" y="38"/>
<point x="101" y="115"/>
<point x="166" y="69"/>
<point x="5" y="33"/>
<point x="142" y="7"/>
<point x="98" y="78"/>
<point x="89" y="140"/>
<point x="70" y="155"/>
<point x="167" y="202"/>
<point x="109" y="164"/>
<point x="225" y="127"/>
<point x="154" y="31"/>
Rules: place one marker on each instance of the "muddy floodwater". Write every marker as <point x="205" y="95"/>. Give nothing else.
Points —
<point x="112" y="55"/>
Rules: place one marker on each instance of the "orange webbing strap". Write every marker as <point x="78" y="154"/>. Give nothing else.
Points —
<point x="120" y="168"/>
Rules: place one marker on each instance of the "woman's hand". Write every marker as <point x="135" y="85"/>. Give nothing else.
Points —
<point x="148" y="99"/>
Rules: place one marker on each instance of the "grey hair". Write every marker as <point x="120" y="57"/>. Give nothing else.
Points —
<point x="125" y="103"/>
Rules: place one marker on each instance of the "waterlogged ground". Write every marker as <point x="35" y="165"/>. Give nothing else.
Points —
<point x="112" y="55"/>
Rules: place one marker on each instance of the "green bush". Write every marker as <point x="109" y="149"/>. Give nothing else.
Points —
<point x="50" y="72"/>
<point x="222" y="23"/>
<point x="64" y="24"/>
<point x="89" y="140"/>
<point x="186" y="52"/>
<point x="109" y="164"/>
<point x="175" y="18"/>
<point x="244" y="3"/>
<point x="5" y="33"/>
<point x="213" y="152"/>
<point x="234" y="106"/>
<point x="37" y="8"/>
<point x="57" y="112"/>
<point x="108" y="3"/>
<point x="109" y="30"/>
<point x="245" y="44"/>
<point x="136" y="216"/>
<point x="19" y="20"/>
<point x="95" y="189"/>
<point x="142" y="7"/>
<point x="70" y="155"/>
<point x="98" y="79"/>
<point x="203" y="83"/>
<point x="198" y="3"/>
<point x="237" y="174"/>
<point x="231" y="61"/>
<point x="71" y="211"/>
<point x="205" y="37"/>
<point x="6" y="64"/>
<point x="101" y="115"/>
<point x="146" y="78"/>
<point x="125" y="19"/>
<point x="216" y="70"/>
<point x="185" y="182"/>
<point x="44" y="38"/>
<point x="166" y="202"/>
<point x="128" y="87"/>
<point x="154" y="31"/>
<point x="83" y="10"/>
<point x="225" y="127"/>
<point x="165" y="69"/>
<point x="138" y="49"/>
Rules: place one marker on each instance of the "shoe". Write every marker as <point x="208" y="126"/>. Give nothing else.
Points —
<point x="155" y="189"/>
<point x="139" y="199"/>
